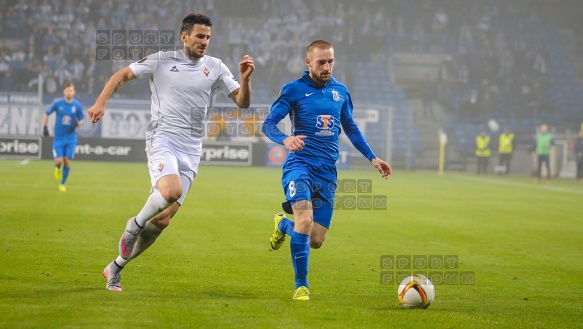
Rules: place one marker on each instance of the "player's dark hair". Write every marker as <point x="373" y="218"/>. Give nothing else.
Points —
<point x="320" y="44"/>
<point x="194" y="18"/>
<point x="68" y="84"/>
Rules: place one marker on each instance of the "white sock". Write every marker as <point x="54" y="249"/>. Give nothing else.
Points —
<point x="154" y="205"/>
<point x="146" y="238"/>
<point x="121" y="262"/>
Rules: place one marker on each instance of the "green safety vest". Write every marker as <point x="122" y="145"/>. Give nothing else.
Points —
<point x="505" y="144"/>
<point x="543" y="143"/>
<point x="483" y="146"/>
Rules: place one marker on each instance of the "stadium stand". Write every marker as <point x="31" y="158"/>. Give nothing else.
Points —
<point x="503" y="60"/>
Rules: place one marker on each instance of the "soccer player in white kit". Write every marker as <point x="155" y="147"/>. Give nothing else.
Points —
<point x="182" y="84"/>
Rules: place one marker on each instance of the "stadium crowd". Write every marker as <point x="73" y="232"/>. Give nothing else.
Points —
<point x="489" y="59"/>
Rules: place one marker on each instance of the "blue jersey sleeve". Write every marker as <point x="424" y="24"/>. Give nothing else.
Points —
<point x="353" y="132"/>
<point x="285" y="102"/>
<point x="79" y="113"/>
<point x="52" y="108"/>
<point x="270" y="128"/>
<point x="279" y="110"/>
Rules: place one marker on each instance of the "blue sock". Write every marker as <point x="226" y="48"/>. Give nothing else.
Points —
<point x="300" y="252"/>
<point x="286" y="226"/>
<point x="65" y="175"/>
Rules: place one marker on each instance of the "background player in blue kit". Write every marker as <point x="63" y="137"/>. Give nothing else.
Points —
<point x="318" y="106"/>
<point x="69" y="114"/>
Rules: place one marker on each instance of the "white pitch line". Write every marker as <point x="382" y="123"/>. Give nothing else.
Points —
<point x="507" y="183"/>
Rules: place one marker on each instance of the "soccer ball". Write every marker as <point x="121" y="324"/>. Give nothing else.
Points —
<point x="416" y="291"/>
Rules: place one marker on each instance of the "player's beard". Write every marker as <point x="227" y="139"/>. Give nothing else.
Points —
<point x="321" y="80"/>
<point x="193" y="54"/>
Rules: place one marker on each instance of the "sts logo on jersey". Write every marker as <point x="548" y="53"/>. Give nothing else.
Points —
<point x="325" y="123"/>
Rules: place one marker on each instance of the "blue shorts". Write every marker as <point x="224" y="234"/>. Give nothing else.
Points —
<point x="314" y="180"/>
<point x="64" y="147"/>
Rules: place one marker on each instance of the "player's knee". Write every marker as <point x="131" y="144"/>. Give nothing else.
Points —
<point x="171" y="195"/>
<point x="316" y="243"/>
<point x="303" y="224"/>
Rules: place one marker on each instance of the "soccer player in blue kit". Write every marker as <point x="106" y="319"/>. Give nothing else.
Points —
<point x="318" y="106"/>
<point x="69" y="114"/>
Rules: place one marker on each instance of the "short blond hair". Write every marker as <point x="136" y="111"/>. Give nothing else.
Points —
<point x="320" y="44"/>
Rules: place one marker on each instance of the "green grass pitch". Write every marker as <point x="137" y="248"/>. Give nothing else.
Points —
<point x="212" y="267"/>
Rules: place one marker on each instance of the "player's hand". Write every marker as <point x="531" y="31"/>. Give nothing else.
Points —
<point x="246" y="67"/>
<point x="294" y="143"/>
<point x="45" y="131"/>
<point x="96" y="112"/>
<point x="74" y="126"/>
<point x="383" y="167"/>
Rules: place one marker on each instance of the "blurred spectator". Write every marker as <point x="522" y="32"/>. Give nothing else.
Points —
<point x="77" y="69"/>
<point x="6" y="81"/>
<point x="447" y="76"/>
<point x="440" y="20"/>
<point x="578" y="150"/>
<point x="418" y="37"/>
<point x="4" y="62"/>
<point x="428" y="95"/>
<point x="62" y="75"/>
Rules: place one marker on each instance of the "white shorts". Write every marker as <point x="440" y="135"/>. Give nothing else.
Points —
<point x="164" y="159"/>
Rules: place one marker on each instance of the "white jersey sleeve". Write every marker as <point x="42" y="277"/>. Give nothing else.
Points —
<point x="226" y="81"/>
<point x="145" y="67"/>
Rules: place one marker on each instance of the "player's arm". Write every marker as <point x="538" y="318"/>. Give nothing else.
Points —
<point x="359" y="141"/>
<point x="78" y="120"/>
<point x="117" y="80"/>
<point x="271" y="130"/>
<point x="279" y="110"/>
<point x="80" y="117"/>
<point x="46" y="119"/>
<point x="242" y="96"/>
<point x="45" y="125"/>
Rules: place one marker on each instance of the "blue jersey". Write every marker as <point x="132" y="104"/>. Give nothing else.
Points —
<point x="320" y="113"/>
<point x="67" y="115"/>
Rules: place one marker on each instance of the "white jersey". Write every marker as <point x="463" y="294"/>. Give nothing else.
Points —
<point x="182" y="91"/>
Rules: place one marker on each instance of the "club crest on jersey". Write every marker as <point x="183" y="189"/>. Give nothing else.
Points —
<point x="174" y="69"/>
<point x="325" y="123"/>
<point x="206" y="71"/>
<point x="160" y="166"/>
<point x="335" y="95"/>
